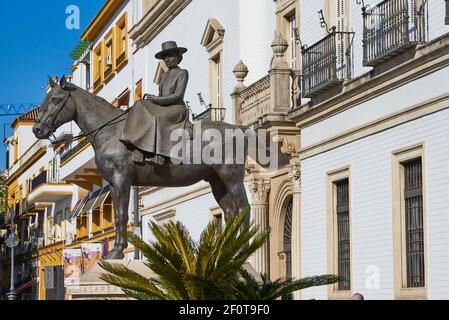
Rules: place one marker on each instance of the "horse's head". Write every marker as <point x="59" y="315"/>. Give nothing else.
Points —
<point x="58" y="108"/>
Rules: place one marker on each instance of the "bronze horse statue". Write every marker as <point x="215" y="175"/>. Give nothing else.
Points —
<point x="66" y="102"/>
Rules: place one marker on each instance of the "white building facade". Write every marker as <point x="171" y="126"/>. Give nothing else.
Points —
<point x="372" y="159"/>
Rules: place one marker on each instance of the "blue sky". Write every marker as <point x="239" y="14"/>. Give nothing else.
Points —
<point x="36" y="43"/>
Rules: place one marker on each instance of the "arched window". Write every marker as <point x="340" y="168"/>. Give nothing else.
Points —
<point x="288" y="239"/>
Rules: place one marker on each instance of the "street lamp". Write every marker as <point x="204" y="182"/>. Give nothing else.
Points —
<point x="12" y="242"/>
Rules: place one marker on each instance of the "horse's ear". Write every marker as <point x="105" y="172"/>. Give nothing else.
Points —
<point x="52" y="82"/>
<point x="63" y="83"/>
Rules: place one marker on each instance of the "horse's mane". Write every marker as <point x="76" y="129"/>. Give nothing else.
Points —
<point x="103" y="102"/>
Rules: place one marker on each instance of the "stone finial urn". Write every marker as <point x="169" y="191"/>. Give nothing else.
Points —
<point x="279" y="47"/>
<point x="240" y="72"/>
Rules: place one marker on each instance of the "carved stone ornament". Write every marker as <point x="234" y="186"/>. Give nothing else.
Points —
<point x="279" y="47"/>
<point x="288" y="145"/>
<point x="240" y="71"/>
<point x="260" y="188"/>
<point x="295" y="175"/>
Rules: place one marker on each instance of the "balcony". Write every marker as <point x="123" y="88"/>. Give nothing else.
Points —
<point x="121" y="58"/>
<point x="30" y="209"/>
<point x="256" y="101"/>
<point x="108" y="71"/>
<point x="40" y="179"/>
<point x="390" y="28"/>
<point x="327" y="63"/>
<point x="97" y="83"/>
<point x="36" y="151"/>
<point x="44" y="190"/>
<point x="71" y="152"/>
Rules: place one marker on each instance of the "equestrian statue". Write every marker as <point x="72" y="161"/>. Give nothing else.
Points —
<point x="132" y="147"/>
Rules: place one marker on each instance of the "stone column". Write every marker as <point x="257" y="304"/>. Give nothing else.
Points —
<point x="260" y="189"/>
<point x="295" y="176"/>
<point x="280" y="75"/>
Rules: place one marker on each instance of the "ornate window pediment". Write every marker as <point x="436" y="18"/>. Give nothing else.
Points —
<point x="213" y="35"/>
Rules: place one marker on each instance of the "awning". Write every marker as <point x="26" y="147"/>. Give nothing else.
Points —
<point x="78" y="207"/>
<point x="102" y="197"/>
<point x="97" y="198"/>
<point x="92" y="201"/>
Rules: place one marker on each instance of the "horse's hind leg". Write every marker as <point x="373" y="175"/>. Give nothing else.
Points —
<point x="222" y="196"/>
<point x="232" y="178"/>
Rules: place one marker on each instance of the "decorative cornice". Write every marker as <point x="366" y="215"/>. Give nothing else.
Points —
<point x="155" y="20"/>
<point x="101" y="20"/>
<point x="288" y="145"/>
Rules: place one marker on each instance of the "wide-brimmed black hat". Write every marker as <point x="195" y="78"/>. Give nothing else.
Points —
<point x="169" y="46"/>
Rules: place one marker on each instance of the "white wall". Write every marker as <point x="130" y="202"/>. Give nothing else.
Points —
<point x="390" y="102"/>
<point x="24" y="133"/>
<point x="122" y="79"/>
<point x="194" y="214"/>
<point x="249" y="26"/>
<point x="370" y="161"/>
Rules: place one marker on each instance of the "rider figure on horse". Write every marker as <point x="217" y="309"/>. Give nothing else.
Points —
<point x="151" y="120"/>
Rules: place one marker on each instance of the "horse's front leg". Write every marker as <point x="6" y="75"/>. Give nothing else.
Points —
<point x="120" y="191"/>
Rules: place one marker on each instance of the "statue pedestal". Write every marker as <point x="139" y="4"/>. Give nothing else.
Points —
<point x="91" y="287"/>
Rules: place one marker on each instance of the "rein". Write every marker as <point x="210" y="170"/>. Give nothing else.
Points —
<point x="53" y="117"/>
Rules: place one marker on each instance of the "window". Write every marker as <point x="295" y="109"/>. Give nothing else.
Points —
<point x="82" y="225"/>
<point x="212" y="40"/>
<point x="216" y="86"/>
<point x="138" y="91"/>
<point x="108" y="213"/>
<point x="7" y="158"/>
<point x="339" y="232"/>
<point x="216" y="215"/>
<point x="98" y="66"/>
<point x="409" y="223"/>
<point x="414" y="232"/>
<point x="287" y="239"/>
<point x="50" y="230"/>
<point x="58" y="226"/>
<point x="121" y="41"/>
<point x="96" y="220"/>
<point x="108" y="56"/>
<point x="16" y="150"/>
<point x="292" y="35"/>
<point x="342" y="212"/>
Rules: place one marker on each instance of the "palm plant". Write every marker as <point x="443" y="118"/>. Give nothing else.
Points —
<point x="213" y="268"/>
<point x="248" y="288"/>
<point x="187" y="270"/>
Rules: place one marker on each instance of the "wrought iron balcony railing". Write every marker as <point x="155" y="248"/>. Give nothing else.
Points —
<point x="74" y="150"/>
<point x="97" y="83"/>
<point x="39" y="180"/>
<point x="120" y="58"/>
<point x="391" y="27"/>
<point x="327" y="63"/>
<point x="108" y="71"/>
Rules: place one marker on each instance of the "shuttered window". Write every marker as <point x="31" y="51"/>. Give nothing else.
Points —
<point x="414" y="231"/>
<point x="293" y="44"/>
<point x="343" y="237"/>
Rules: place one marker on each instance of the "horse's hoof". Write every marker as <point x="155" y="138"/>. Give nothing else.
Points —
<point x="115" y="254"/>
